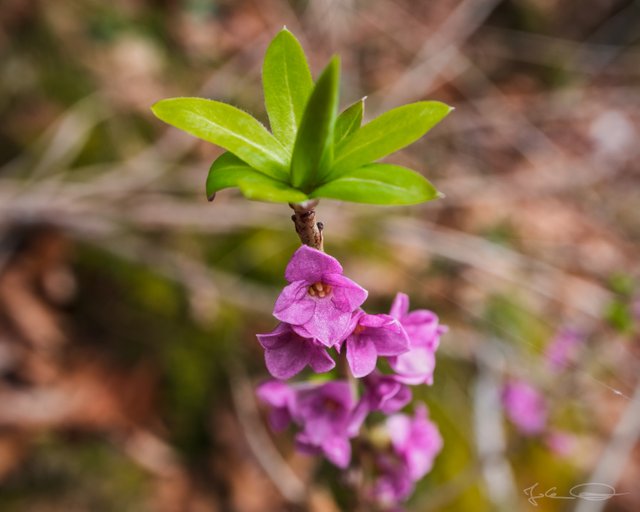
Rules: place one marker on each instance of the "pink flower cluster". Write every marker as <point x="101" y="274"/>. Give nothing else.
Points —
<point x="321" y="317"/>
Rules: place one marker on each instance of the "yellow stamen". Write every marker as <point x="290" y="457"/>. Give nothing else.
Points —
<point x="319" y="289"/>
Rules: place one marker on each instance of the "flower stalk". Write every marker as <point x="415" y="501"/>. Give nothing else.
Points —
<point x="304" y="220"/>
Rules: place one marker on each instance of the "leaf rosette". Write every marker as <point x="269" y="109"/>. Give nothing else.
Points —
<point x="312" y="151"/>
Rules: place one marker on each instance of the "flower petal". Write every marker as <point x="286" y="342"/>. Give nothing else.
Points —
<point x="525" y="406"/>
<point x="358" y="415"/>
<point x="294" y="305"/>
<point x="275" y="393"/>
<point x="340" y="392"/>
<point x="305" y="445"/>
<point x="396" y="402"/>
<point x="417" y="440"/>
<point x="324" y="410"/>
<point x="338" y="450"/>
<point x="399" y="428"/>
<point x="288" y="359"/>
<point x="276" y="337"/>
<point x="426" y="443"/>
<point x="378" y="321"/>
<point x="414" y="367"/>
<point x="423" y="329"/>
<point x="279" y="419"/>
<point x="309" y="265"/>
<point x="328" y="325"/>
<point x="361" y="355"/>
<point x="346" y="294"/>
<point x="385" y="393"/>
<point x="400" y="306"/>
<point x="319" y="360"/>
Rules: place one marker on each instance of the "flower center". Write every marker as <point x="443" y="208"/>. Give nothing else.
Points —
<point x="319" y="290"/>
<point x="359" y="329"/>
<point x="331" y="405"/>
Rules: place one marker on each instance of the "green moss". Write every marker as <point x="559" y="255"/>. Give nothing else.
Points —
<point x="79" y="473"/>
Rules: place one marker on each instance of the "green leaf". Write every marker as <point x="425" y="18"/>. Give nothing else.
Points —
<point x="348" y="121"/>
<point x="262" y="188"/>
<point x="313" y="143"/>
<point x="287" y="83"/>
<point x="379" y="184"/>
<point x="226" y="171"/>
<point x="619" y="315"/>
<point x="386" y="134"/>
<point x="229" y="171"/>
<point x="227" y="127"/>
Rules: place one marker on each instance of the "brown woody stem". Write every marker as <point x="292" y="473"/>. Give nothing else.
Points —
<point x="304" y="219"/>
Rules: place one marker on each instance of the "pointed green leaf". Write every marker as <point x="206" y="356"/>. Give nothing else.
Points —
<point x="229" y="171"/>
<point x="379" y="184"/>
<point x="287" y="83"/>
<point x="227" y="127"/>
<point x="262" y="188"/>
<point x="313" y="142"/>
<point x="226" y="171"/>
<point x="348" y="121"/>
<point x="386" y="134"/>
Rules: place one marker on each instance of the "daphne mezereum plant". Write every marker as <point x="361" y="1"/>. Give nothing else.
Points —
<point x="349" y="413"/>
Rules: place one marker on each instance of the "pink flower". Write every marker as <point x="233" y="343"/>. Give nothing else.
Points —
<point x="384" y="393"/>
<point x="323" y="411"/>
<point x="416" y="366"/>
<point x="393" y="484"/>
<point x="372" y="336"/>
<point x="319" y="300"/>
<point x="280" y="397"/>
<point x="561" y="443"/>
<point x="381" y="393"/>
<point x="525" y="407"/>
<point x="415" y="442"/>
<point x="287" y="353"/>
<point x="563" y="349"/>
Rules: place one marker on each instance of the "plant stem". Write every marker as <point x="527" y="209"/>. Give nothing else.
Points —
<point x="309" y="231"/>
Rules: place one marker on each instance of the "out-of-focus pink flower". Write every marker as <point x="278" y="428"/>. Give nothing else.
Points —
<point x="323" y="411"/>
<point x="319" y="300"/>
<point x="560" y="443"/>
<point x="417" y="365"/>
<point x="563" y="349"/>
<point x="384" y="393"/>
<point x="381" y="393"/>
<point x="525" y="407"/>
<point x="415" y="442"/>
<point x="280" y="397"/>
<point x="287" y="353"/>
<point x="393" y="484"/>
<point x="372" y="336"/>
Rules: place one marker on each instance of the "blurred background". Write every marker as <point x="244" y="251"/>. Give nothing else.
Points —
<point x="129" y="304"/>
